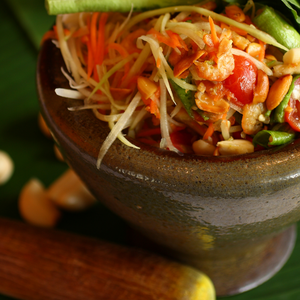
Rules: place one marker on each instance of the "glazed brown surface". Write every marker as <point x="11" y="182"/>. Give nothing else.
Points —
<point x="204" y="209"/>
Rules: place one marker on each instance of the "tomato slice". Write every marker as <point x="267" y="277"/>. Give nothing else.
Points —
<point x="242" y="82"/>
<point x="292" y="116"/>
<point x="292" y="112"/>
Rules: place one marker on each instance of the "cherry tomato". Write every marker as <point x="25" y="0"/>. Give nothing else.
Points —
<point x="242" y="82"/>
<point x="293" y="116"/>
<point x="292" y="113"/>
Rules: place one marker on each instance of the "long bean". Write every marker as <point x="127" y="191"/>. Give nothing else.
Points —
<point x="279" y="135"/>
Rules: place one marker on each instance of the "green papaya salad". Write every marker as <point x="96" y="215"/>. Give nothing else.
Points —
<point x="209" y="78"/>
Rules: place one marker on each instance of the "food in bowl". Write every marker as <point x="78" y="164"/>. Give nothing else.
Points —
<point x="185" y="78"/>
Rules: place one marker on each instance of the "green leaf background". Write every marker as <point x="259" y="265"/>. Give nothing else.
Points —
<point x="22" y="26"/>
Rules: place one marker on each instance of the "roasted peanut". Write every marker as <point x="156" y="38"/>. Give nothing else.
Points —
<point x="6" y="167"/>
<point x="239" y="41"/>
<point x="202" y="147"/>
<point x="186" y="62"/>
<point x="262" y="87"/>
<point x="35" y="207"/>
<point x="283" y="69"/>
<point x="235" y="147"/>
<point x="253" y="49"/>
<point x="70" y="193"/>
<point x="146" y="87"/>
<point x="292" y="56"/>
<point x="270" y="57"/>
<point x="278" y="90"/>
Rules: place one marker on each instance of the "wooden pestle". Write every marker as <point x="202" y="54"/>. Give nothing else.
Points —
<point x="47" y="264"/>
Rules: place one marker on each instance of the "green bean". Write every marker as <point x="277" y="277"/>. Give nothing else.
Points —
<point x="271" y="22"/>
<point x="279" y="135"/>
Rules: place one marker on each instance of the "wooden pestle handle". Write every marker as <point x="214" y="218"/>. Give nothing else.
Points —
<point x="47" y="264"/>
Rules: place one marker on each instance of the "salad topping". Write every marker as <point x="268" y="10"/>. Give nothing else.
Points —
<point x="184" y="78"/>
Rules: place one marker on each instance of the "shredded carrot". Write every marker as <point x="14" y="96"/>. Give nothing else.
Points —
<point x="101" y="39"/>
<point x="129" y="42"/>
<point x="118" y="47"/>
<point x="154" y="109"/>
<point x="116" y="79"/>
<point x="93" y="33"/>
<point x="123" y="52"/>
<point x="93" y="40"/>
<point x="90" y="60"/>
<point x="177" y="39"/>
<point x="261" y="55"/>
<point x="214" y="35"/>
<point x="119" y="94"/>
<point x="151" y="104"/>
<point x="85" y="39"/>
<point x="131" y="83"/>
<point x="79" y="49"/>
<point x="238" y="30"/>
<point x="80" y="32"/>
<point x="172" y="40"/>
<point x="209" y="132"/>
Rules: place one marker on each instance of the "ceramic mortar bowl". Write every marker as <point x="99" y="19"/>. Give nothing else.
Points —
<point x="232" y="217"/>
